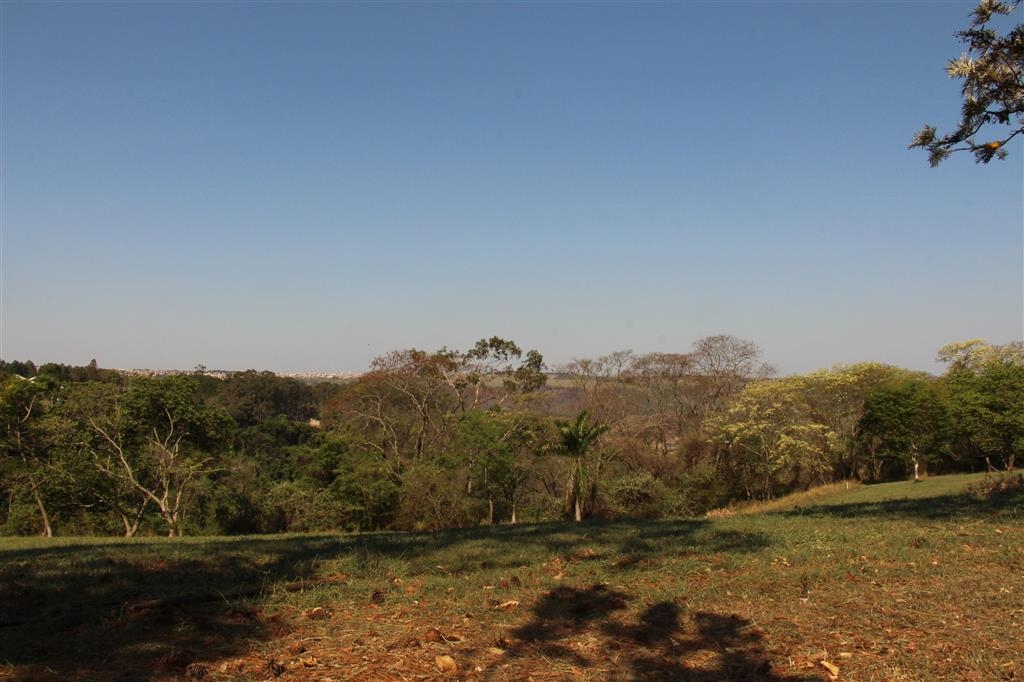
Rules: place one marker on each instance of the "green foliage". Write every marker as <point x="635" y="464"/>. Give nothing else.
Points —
<point x="482" y="444"/>
<point x="641" y="496"/>
<point x="294" y="507"/>
<point x="576" y="438"/>
<point x="986" y="393"/>
<point x="992" y="88"/>
<point x="370" y="492"/>
<point x="906" y="421"/>
<point x="172" y="404"/>
<point x="252" y="398"/>
<point x="223" y="507"/>
<point x="434" y="497"/>
<point x="703" y="488"/>
<point x="21" y="516"/>
<point x="578" y="435"/>
<point x="836" y="398"/>
<point x="25" y="369"/>
<point x="71" y="374"/>
<point x="153" y="441"/>
<point x="767" y="431"/>
<point x="25" y="455"/>
<point x="450" y="438"/>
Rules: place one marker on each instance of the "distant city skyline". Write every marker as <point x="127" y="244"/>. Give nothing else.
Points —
<point x="300" y="187"/>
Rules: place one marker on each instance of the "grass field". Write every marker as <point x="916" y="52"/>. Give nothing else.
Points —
<point x="899" y="581"/>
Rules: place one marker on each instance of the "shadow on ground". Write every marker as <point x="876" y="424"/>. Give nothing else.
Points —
<point x="938" y="508"/>
<point x="102" y="614"/>
<point x="112" y="610"/>
<point x="664" y="642"/>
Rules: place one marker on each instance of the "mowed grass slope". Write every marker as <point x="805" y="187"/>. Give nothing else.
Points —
<point x="899" y="581"/>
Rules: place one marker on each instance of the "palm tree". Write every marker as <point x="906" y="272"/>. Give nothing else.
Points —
<point x="576" y="438"/>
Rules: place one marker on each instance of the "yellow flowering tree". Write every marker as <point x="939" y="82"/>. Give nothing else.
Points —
<point x="768" y="434"/>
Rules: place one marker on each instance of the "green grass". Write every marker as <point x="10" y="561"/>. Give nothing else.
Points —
<point x="852" y="493"/>
<point x="905" y="581"/>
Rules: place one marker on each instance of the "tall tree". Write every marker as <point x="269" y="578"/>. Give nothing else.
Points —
<point x="576" y="438"/>
<point x="407" y="405"/>
<point x="722" y="366"/>
<point x="23" y="439"/>
<point x="906" y="421"/>
<point x="153" y="440"/>
<point x="495" y="359"/>
<point x="986" y="388"/>
<point x="836" y="399"/>
<point x="767" y="433"/>
<point x="498" y="448"/>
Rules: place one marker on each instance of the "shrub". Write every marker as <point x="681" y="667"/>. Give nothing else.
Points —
<point x="640" y="496"/>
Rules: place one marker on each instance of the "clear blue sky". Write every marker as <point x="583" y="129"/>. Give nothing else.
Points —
<point x="303" y="186"/>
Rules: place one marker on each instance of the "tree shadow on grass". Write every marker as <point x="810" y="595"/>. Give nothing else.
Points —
<point x="470" y="549"/>
<point x="564" y="613"/>
<point x="118" y="611"/>
<point x="107" y="610"/>
<point x="662" y="643"/>
<point x="928" y="508"/>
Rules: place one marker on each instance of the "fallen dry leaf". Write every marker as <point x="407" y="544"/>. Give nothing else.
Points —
<point x="272" y="669"/>
<point x="446" y="664"/>
<point x="196" y="671"/>
<point x="833" y="670"/>
<point x="319" y="613"/>
<point x="510" y="604"/>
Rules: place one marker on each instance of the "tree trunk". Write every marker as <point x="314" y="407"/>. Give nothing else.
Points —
<point x="131" y="526"/>
<point x="571" y="491"/>
<point x="47" y="528"/>
<point x="421" y="435"/>
<point x="513" y="513"/>
<point x="173" y="523"/>
<point x="579" y="510"/>
<point x="490" y="511"/>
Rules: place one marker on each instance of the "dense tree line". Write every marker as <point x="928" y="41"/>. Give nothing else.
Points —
<point x="487" y="435"/>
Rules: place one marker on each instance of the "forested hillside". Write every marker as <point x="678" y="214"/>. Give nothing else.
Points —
<point x="429" y="440"/>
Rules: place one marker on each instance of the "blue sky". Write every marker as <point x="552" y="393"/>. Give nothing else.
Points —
<point x="303" y="186"/>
